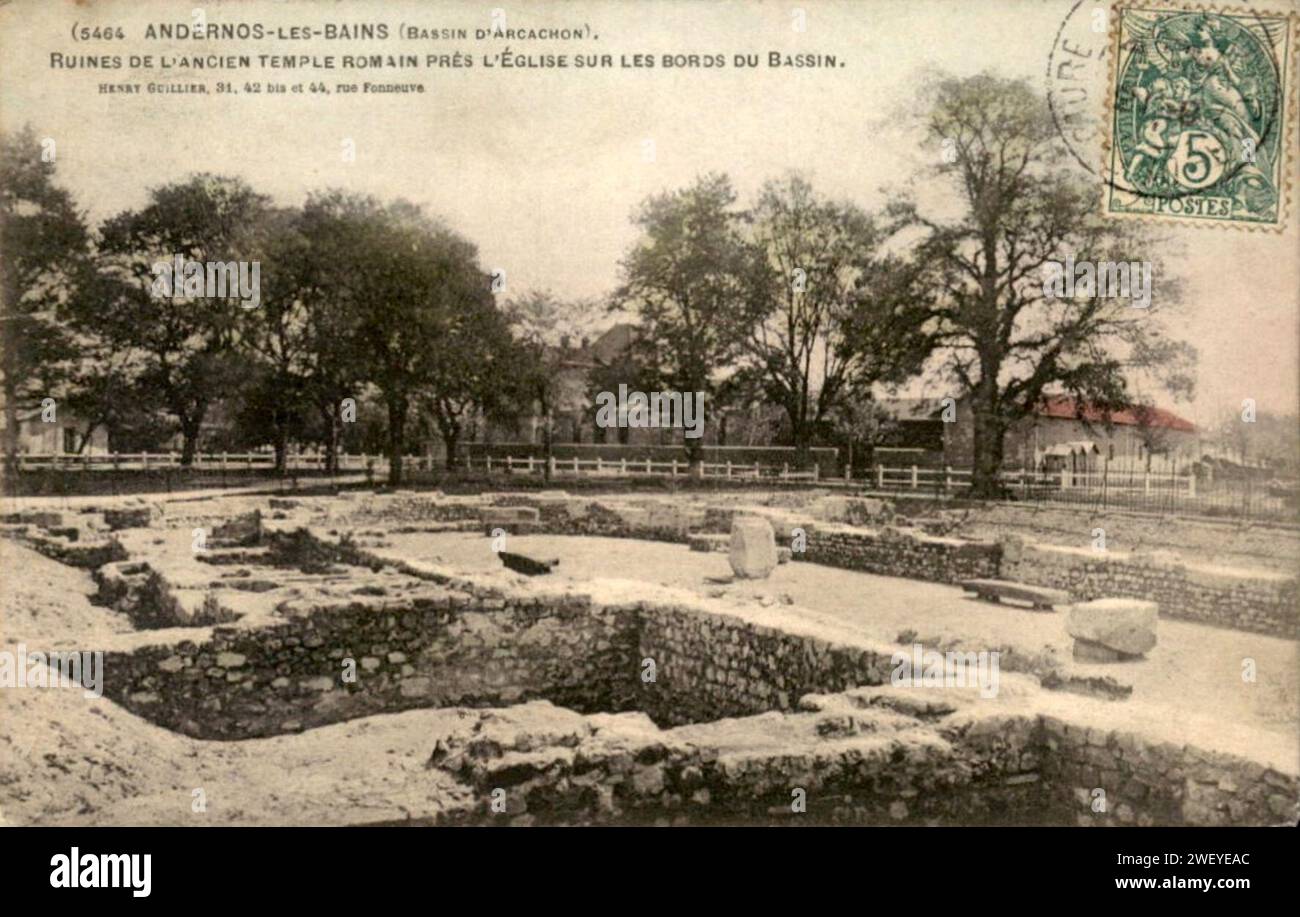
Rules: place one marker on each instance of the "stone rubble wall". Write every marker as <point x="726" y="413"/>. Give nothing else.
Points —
<point x="456" y="650"/>
<point x="901" y="552"/>
<point x="1150" y="782"/>
<point x="879" y="769"/>
<point x="711" y="666"/>
<point x="1249" y="600"/>
<point x="847" y="765"/>
<point x="453" y="643"/>
<point x="923" y="760"/>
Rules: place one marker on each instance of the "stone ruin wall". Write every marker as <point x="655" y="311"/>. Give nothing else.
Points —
<point x="476" y="647"/>
<point x="489" y="647"/>
<point x="1253" y="601"/>
<point x="455" y="651"/>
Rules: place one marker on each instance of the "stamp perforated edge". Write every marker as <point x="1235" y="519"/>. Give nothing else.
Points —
<point x="1290" y="109"/>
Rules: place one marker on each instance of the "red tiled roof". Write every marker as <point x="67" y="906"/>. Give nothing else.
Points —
<point x="1066" y="408"/>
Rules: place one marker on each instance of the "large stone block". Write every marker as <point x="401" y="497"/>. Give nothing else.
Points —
<point x="753" y="547"/>
<point x="529" y="566"/>
<point x="832" y="509"/>
<point x="135" y="517"/>
<point x="40" y="518"/>
<point x="668" y="517"/>
<point x="241" y="531"/>
<point x="1126" y="626"/>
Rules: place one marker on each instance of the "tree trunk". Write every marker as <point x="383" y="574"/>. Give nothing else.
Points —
<point x="989" y="434"/>
<point x="397" y="410"/>
<point x="548" y="446"/>
<point x="281" y="448"/>
<point x="332" y="438"/>
<point x="450" y="440"/>
<point x="802" y="436"/>
<point x="11" y="427"/>
<point x="190" y="426"/>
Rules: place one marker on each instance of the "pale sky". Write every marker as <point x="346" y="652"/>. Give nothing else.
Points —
<point x="542" y="168"/>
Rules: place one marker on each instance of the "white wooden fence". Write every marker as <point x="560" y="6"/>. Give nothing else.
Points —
<point x="207" y="461"/>
<point x="560" y="467"/>
<point x="630" y="468"/>
<point x="946" y="478"/>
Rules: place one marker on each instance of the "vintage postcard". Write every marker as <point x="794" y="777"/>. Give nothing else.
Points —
<point x="649" y="414"/>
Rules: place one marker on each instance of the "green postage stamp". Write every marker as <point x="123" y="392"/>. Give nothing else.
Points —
<point x="1201" y="114"/>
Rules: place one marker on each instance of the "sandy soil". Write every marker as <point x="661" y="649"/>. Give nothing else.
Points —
<point x="1193" y="669"/>
<point x="66" y="758"/>
<point x="69" y="759"/>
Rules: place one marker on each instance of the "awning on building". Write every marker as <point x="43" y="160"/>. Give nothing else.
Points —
<point x="1074" y="447"/>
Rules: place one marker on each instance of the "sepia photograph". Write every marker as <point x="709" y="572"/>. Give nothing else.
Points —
<point x="685" y="414"/>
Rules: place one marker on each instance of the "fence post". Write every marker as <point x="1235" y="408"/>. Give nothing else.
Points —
<point x="598" y="465"/>
<point x="622" y="466"/>
<point x="914" y="477"/>
<point x="785" y="469"/>
<point x="674" y="471"/>
<point x="1191" y="485"/>
<point x="647" y="466"/>
<point x="144" y="460"/>
<point x="947" y="478"/>
<point x="728" y="467"/>
<point x="880" y="477"/>
<point x="1146" y="483"/>
<point x="817" y="471"/>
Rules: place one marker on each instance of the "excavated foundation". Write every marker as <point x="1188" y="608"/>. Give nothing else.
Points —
<point x="618" y="702"/>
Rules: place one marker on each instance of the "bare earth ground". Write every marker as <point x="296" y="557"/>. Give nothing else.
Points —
<point x="69" y="759"/>
<point x="1192" y="668"/>
<point x="65" y="758"/>
<point x="1225" y="542"/>
<point x="1197" y="540"/>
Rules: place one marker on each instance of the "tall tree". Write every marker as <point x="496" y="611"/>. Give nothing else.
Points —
<point x="187" y="344"/>
<point x="478" y="370"/>
<point x="45" y="246"/>
<point x="1005" y="341"/>
<point x="831" y="328"/>
<point x="277" y="335"/>
<point x="419" y="296"/>
<point x="696" y="283"/>
<point x="333" y="358"/>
